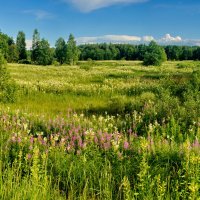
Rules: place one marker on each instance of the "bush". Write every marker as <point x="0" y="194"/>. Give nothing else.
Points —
<point x="155" y="55"/>
<point x="7" y="86"/>
<point x="56" y="63"/>
<point x="24" y="61"/>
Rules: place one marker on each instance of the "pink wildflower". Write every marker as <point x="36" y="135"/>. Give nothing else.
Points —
<point x="126" y="145"/>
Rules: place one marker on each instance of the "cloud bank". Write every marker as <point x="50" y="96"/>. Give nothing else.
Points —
<point x="108" y="39"/>
<point x="130" y="39"/>
<point x="90" y="5"/>
<point x="168" y="38"/>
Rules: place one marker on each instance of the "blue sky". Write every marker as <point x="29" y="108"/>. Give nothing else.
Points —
<point x="125" y="21"/>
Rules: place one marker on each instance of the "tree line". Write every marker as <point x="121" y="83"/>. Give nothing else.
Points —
<point x="135" y="52"/>
<point x="42" y="53"/>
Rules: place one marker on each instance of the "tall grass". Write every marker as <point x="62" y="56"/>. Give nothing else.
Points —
<point x="80" y="158"/>
<point x="140" y="141"/>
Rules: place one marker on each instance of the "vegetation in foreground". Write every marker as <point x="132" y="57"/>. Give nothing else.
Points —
<point x="137" y="138"/>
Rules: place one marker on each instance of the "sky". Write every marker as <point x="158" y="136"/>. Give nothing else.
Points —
<point x="96" y="21"/>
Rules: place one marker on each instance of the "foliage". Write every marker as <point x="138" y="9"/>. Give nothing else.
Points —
<point x="197" y="54"/>
<point x="35" y="46"/>
<point x="155" y="55"/>
<point x="4" y="44"/>
<point x="13" y="54"/>
<point x="45" y="55"/>
<point x="7" y="86"/>
<point x="60" y="51"/>
<point x="21" y="45"/>
<point x="72" y="51"/>
<point x="41" y="52"/>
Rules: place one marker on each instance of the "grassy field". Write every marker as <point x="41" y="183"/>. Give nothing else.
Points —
<point x="102" y="130"/>
<point x="90" y="86"/>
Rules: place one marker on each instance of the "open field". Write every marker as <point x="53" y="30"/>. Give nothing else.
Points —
<point x="102" y="130"/>
<point x="91" y="86"/>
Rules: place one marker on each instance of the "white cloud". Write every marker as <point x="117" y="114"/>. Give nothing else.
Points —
<point x="194" y="42"/>
<point x="168" y="38"/>
<point x="148" y="38"/>
<point x="123" y="38"/>
<point x="87" y="40"/>
<point x="108" y="39"/>
<point x="28" y="44"/>
<point x="39" y="14"/>
<point x="90" y="5"/>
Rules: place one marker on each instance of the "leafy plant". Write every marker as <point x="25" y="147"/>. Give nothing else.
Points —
<point x="155" y="55"/>
<point x="7" y="86"/>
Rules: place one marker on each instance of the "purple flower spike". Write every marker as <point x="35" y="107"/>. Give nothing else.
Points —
<point x="29" y="156"/>
<point x="31" y="140"/>
<point x="126" y="145"/>
<point x="19" y="140"/>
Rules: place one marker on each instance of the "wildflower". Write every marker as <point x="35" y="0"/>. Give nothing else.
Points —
<point x="196" y="144"/>
<point x="19" y="140"/>
<point x="25" y="126"/>
<point x="13" y="139"/>
<point x="28" y="156"/>
<point x="68" y="148"/>
<point x="100" y="118"/>
<point x="95" y="140"/>
<point x="126" y="145"/>
<point x="119" y="154"/>
<point x="115" y="145"/>
<point x="106" y="145"/>
<point x="56" y="138"/>
<point x="78" y="152"/>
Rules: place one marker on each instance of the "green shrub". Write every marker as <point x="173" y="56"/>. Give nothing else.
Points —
<point x="7" y="86"/>
<point x="155" y="55"/>
<point x="183" y="65"/>
<point x="55" y="63"/>
<point x="24" y="61"/>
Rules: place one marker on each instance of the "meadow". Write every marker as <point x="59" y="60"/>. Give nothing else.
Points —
<point x="102" y="130"/>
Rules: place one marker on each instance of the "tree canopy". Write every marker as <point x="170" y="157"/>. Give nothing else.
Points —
<point x="72" y="51"/>
<point x="61" y="50"/>
<point x="21" y="46"/>
<point x="155" y="55"/>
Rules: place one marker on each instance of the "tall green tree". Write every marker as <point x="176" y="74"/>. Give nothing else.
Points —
<point x="13" y="54"/>
<point x="4" y="47"/>
<point x="61" y="50"/>
<point x="44" y="53"/>
<point x="196" y="55"/>
<point x="155" y="55"/>
<point x="35" y="45"/>
<point x="21" y="45"/>
<point x="72" y="51"/>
